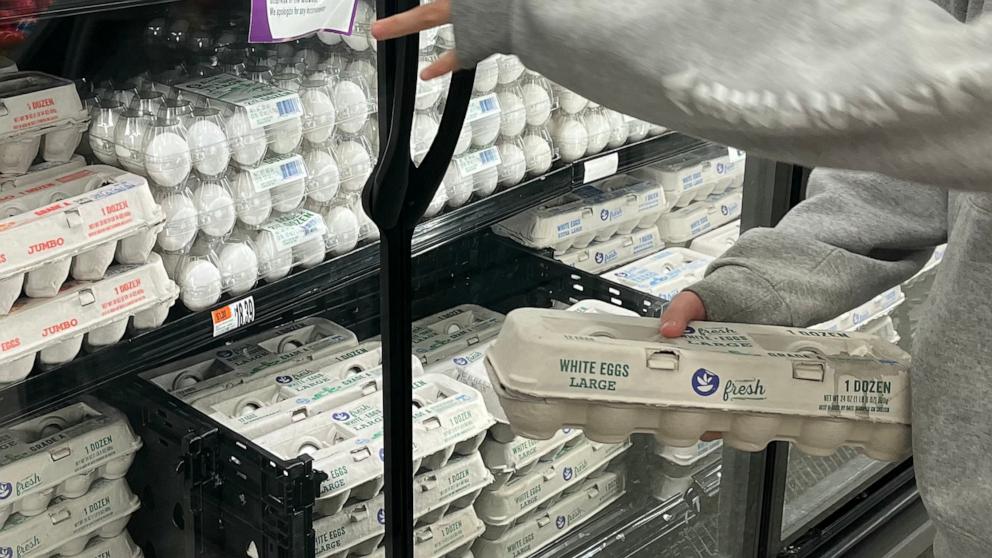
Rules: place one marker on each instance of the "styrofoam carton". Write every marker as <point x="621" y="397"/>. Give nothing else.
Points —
<point x="718" y="241"/>
<point x="725" y="172"/>
<point x="685" y="224"/>
<point x="682" y="181"/>
<point x="32" y="191"/>
<point x="441" y="335"/>
<point x="612" y="376"/>
<point x="542" y="527"/>
<point x="120" y="546"/>
<point x="100" y="311"/>
<point x="877" y="307"/>
<point x="663" y="274"/>
<point x="501" y="507"/>
<point x="61" y="454"/>
<point x="69" y="524"/>
<point x="599" y="257"/>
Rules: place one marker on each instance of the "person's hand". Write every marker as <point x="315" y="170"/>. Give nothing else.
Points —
<point x="431" y="15"/>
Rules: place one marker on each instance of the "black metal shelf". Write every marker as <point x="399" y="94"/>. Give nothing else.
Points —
<point x="64" y="8"/>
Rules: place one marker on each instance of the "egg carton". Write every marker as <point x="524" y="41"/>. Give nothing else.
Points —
<point x="592" y="212"/>
<point x="42" y="113"/>
<point x="718" y="241"/>
<point x="120" y="546"/>
<point x="540" y="528"/>
<point x="688" y="456"/>
<point x="442" y="335"/>
<point x="452" y="536"/>
<point x="68" y="525"/>
<point x="521" y="456"/>
<point x="819" y="390"/>
<point x="725" y="171"/>
<point x="80" y="234"/>
<point x="482" y="122"/>
<point x="501" y="507"/>
<point x="244" y="353"/>
<point x="879" y="306"/>
<point x="663" y="274"/>
<point x="592" y="306"/>
<point x="455" y="486"/>
<point x="39" y="172"/>
<point x="697" y="175"/>
<point x="31" y="191"/>
<point x="61" y="454"/>
<point x="99" y="311"/>
<point x="934" y="261"/>
<point x="679" y="469"/>
<point x="684" y="225"/>
<point x="600" y="257"/>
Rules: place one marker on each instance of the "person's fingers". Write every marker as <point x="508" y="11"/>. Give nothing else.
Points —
<point x="446" y="63"/>
<point x="413" y="21"/>
<point x="710" y="436"/>
<point x="684" y="308"/>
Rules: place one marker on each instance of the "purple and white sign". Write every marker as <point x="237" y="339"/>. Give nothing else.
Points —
<point x="276" y="21"/>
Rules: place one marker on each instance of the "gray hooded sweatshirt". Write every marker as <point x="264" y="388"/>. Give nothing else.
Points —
<point x="888" y="88"/>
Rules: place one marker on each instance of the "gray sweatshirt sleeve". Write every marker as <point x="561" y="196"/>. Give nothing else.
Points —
<point x="855" y="235"/>
<point x="898" y="87"/>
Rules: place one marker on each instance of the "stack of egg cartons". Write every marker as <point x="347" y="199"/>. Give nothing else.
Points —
<point x="62" y="487"/>
<point x="873" y="317"/>
<point x="63" y="219"/>
<point x="542" y="488"/>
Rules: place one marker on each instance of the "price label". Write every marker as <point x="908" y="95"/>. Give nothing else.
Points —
<point x="277" y="172"/>
<point x="601" y="167"/>
<point x="478" y="161"/>
<point x="231" y="317"/>
<point x="481" y="107"/>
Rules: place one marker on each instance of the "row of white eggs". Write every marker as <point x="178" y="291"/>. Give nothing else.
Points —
<point x="17" y="155"/>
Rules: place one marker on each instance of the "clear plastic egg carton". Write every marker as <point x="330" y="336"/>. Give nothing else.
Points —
<point x="39" y="173"/>
<point x="43" y="114"/>
<point x="120" y="546"/>
<point x="683" y="225"/>
<point x="187" y="373"/>
<point x="600" y="257"/>
<point x="100" y="311"/>
<point x="717" y="241"/>
<point x="663" y="274"/>
<point x="445" y="334"/>
<point x="819" y="390"/>
<point x="473" y="172"/>
<point x="500" y="508"/>
<point x="62" y="453"/>
<point x="68" y="525"/>
<point x="31" y="191"/>
<point x="79" y="235"/>
<point x="879" y="306"/>
<point x="540" y="528"/>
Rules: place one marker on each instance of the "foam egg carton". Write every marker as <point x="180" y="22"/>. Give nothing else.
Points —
<point x="501" y="507"/>
<point x="54" y="328"/>
<point x="697" y="175"/>
<point x="31" y="191"/>
<point x="612" y="376"/>
<point x="599" y="257"/>
<point x="68" y="525"/>
<point x="120" y="546"/>
<point x="78" y="234"/>
<point x="878" y="306"/>
<point x="442" y="335"/>
<point x="540" y="528"/>
<point x="663" y="274"/>
<point x="61" y="454"/>
<point x="718" y="241"/>
<point x="244" y="353"/>
<point x="39" y="172"/>
<point x="684" y="225"/>
<point x="592" y="212"/>
<point x="725" y="171"/>
<point x="43" y="113"/>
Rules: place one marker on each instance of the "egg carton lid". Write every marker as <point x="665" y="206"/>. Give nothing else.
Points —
<point x="60" y="453"/>
<point x="622" y="249"/>
<point x="358" y="529"/>
<point x="120" y="546"/>
<point x="75" y="225"/>
<point x="36" y="103"/>
<point x="245" y="352"/>
<point x="934" y="261"/>
<point x="524" y="494"/>
<point x="878" y="306"/>
<point x="754" y="383"/>
<point x="34" y="324"/>
<point x="882" y="327"/>
<point x="263" y="104"/>
<point x="688" y="456"/>
<point x="542" y="527"/>
<point x="518" y="455"/>
<point x="455" y="485"/>
<point x="441" y="335"/>
<point x="592" y="306"/>
<point x="42" y="171"/>
<point x="688" y="223"/>
<point x="31" y="192"/>
<point x="717" y="241"/>
<point x="725" y="171"/>
<point x="69" y="523"/>
<point x="452" y="535"/>
<point x="663" y="272"/>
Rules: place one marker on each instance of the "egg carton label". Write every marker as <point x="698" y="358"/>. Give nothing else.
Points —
<point x="715" y="243"/>
<point x="62" y="453"/>
<point x="478" y="161"/>
<point x="663" y="274"/>
<point x="599" y="257"/>
<point x="541" y="528"/>
<point x="612" y="376"/>
<point x="458" y="530"/>
<point x="447" y="333"/>
<point x="599" y="307"/>
<point x="264" y="104"/>
<point x="293" y="229"/>
<point x="877" y="307"/>
<point x="68" y="524"/>
<point x="277" y="171"/>
<point x="120" y="546"/>
<point x="36" y="102"/>
<point x="482" y="107"/>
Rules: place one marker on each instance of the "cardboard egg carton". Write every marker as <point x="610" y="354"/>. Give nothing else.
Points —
<point x="688" y="456"/>
<point x="592" y="212"/>
<point x="500" y="508"/>
<point x="683" y="225"/>
<point x="61" y="454"/>
<point x="540" y="528"/>
<point x="717" y="241"/>
<point x="79" y="234"/>
<point x="69" y="524"/>
<point x="882" y="327"/>
<point x="120" y="546"/>
<point x="447" y="333"/>
<point x="697" y="175"/>
<point x="43" y="188"/>
<point x="663" y="274"/>
<point x="450" y="537"/>
<point x="592" y="306"/>
<point x="39" y="172"/>
<point x="879" y="306"/>
<point x="678" y="468"/>
<point x="600" y="257"/>
<point x="521" y="456"/>
<point x="725" y="171"/>
<point x="98" y="311"/>
<point x="612" y="376"/>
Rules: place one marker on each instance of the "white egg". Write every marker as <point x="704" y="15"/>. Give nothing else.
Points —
<point x="570" y="101"/>
<point x="656" y="130"/>
<point x="572" y="140"/>
<point x="248" y="144"/>
<point x="325" y="180"/>
<point x="355" y="165"/>
<point x="135" y="248"/>
<point x="289" y="196"/>
<point x="61" y="352"/>
<point x="342" y="230"/>
<point x="318" y="110"/>
<point x="16" y="156"/>
<point x="60" y="144"/>
<point x="208" y="147"/>
<point x="181" y="223"/>
<point x="352" y="105"/>
<point x="367" y="70"/>
<point x="101" y="136"/>
<point x="437" y="203"/>
<point x="428" y="92"/>
<point x="424" y="131"/>
<point x="513" y="114"/>
<point x="538" y="153"/>
<point x="464" y="140"/>
<point x="329" y="37"/>
<point x="598" y="129"/>
<point x="364" y="15"/>
<point x="510" y="68"/>
<point x="458" y="188"/>
<point x="253" y="207"/>
<point x="274" y="261"/>
<point x="513" y="164"/>
<point x="93" y="263"/>
<point x="285" y="136"/>
<point x="238" y="268"/>
<point x="485" y="182"/>
<point x="167" y="159"/>
<point x="367" y="227"/>
<point x="486" y="75"/>
<point x="216" y="209"/>
<point x="537" y="101"/>
<point x="638" y="129"/>
<point x="107" y="334"/>
<point x="200" y="284"/>
<point x="309" y="253"/>
<point x="45" y="281"/>
<point x="618" y="128"/>
<point x="485" y="130"/>
<point x="128" y="138"/>
<point x="10" y="291"/>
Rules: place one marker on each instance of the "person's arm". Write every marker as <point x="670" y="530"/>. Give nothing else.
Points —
<point x="892" y="86"/>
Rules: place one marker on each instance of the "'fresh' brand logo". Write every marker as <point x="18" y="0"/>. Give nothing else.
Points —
<point x="382" y="454"/>
<point x="604" y="214"/>
<point x="461" y="361"/>
<point x="705" y="383"/>
<point x="689" y="330"/>
<point x="6" y="552"/>
<point x="6" y="489"/>
<point x="284" y="379"/>
<point x="560" y="522"/>
<point x="381" y="516"/>
<point x="341" y="416"/>
<point x="600" y="257"/>
<point x="567" y="473"/>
